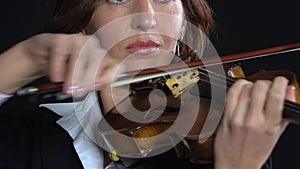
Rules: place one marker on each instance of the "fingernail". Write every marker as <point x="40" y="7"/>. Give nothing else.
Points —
<point x="71" y="89"/>
<point x="58" y="77"/>
<point x="293" y="87"/>
<point x="98" y="86"/>
<point x="75" y="89"/>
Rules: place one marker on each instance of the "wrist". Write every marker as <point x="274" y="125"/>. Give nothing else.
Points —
<point x="33" y="56"/>
<point x="17" y="69"/>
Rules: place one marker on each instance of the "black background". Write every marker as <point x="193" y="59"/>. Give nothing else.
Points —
<point x="240" y="26"/>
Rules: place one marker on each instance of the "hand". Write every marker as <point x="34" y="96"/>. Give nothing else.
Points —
<point x="75" y="59"/>
<point x="252" y="123"/>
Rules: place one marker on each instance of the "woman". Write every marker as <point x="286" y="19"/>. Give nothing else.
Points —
<point x="252" y="117"/>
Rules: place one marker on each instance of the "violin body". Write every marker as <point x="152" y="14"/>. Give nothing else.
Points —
<point x="151" y="119"/>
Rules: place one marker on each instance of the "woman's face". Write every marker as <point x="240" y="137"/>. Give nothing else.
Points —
<point x="143" y="32"/>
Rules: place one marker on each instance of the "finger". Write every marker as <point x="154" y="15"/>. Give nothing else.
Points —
<point x="90" y="77"/>
<point x="96" y="58"/>
<point x="108" y="69"/>
<point x="57" y="64"/>
<point x="290" y="93"/>
<point x="95" y="55"/>
<point x="239" y="114"/>
<point x="76" y="65"/>
<point x="232" y="98"/>
<point x="105" y="76"/>
<point x="76" y="70"/>
<point x="275" y="100"/>
<point x="258" y="99"/>
<point x="59" y="54"/>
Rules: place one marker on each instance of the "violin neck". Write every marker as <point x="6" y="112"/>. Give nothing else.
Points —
<point x="291" y="112"/>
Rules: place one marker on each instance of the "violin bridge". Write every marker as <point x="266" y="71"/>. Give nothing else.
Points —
<point x="179" y="81"/>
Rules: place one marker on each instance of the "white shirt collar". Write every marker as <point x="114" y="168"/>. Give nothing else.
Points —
<point x="80" y="120"/>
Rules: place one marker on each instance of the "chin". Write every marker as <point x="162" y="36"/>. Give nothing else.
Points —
<point x="135" y="62"/>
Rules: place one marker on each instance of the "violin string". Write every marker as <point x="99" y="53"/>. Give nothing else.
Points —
<point x="216" y="76"/>
<point x="211" y="77"/>
<point x="208" y="82"/>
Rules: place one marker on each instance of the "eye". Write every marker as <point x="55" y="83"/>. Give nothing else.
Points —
<point x="164" y="1"/>
<point x="116" y="1"/>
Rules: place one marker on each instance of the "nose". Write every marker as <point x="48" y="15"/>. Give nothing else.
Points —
<point x="144" y="16"/>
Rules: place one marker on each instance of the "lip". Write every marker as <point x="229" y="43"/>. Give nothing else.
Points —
<point x="143" y="47"/>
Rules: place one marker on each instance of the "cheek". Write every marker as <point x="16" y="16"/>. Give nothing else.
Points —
<point x="171" y="27"/>
<point x="170" y="43"/>
<point x="171" y="20"/>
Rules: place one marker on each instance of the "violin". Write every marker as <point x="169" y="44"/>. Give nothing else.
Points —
<point x="175" y="108"/>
